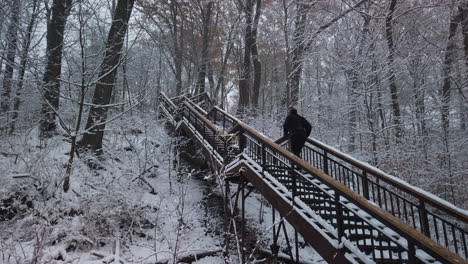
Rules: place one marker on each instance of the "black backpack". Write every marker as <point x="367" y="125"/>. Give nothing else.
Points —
<point x="307" y="126"/>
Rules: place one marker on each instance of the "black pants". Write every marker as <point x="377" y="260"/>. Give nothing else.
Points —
<point x="297" y="143"/>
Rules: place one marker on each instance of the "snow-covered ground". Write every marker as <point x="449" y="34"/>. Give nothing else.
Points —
<point x="108" y="213"/>
<point x="111" y="214"/>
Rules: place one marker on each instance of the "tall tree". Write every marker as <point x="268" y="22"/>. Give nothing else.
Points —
<point x="445" y="90"/>
<point x="51" y="82"/>
<point x="250" y="53"/>
<point x="97" y="117"/>
<point x="24" y="62"/>
<point x="464" y="97"/>
<point x="255" y="58"/>
<point x="206" y="17"/>
<point x="295" y="53"/>
<point x="244" y="78"/>
<point x="391" y="68"/>
<point x="12" y="41"/>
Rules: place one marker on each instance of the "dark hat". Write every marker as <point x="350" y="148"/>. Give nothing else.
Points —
<point x="292" y="110"/>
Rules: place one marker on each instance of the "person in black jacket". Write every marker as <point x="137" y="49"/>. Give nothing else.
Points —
<point x="298" y="129"/>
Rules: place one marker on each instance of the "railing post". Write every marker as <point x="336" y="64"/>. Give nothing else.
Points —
<point x="224" y="122"/>
<point x="365" y="185"/>
<point x="294" y="183"/>
<point x="325" y="162"/>
<point x="411" y="253"/>
<point x="241" y="140"/>
<point x="225" y="150"/>
<point x="339" y="217"/>
<point x="424" y="219"/>
<point x="263" y="157"/>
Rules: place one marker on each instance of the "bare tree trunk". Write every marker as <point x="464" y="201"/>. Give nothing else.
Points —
<point x="464" y="103"/>
<point x="220" y="85"/>
<point x="206" y="13"/>
<point x="55" y="31"/>
<point x="244" y="80"/>
<point x="295" y="58"/>
<point x="83" y="88"/>
<point x="11" y="55"/>
<point x="447" y="71"/>
<point x="352" y="105"/>
<point x="23" y="63"/>
<point x="391" y="67"/>
<point x="256" y="62"/>
<point x="445" y="94"/>
<point x="95" y="124"/>
<point x="177" y="36"/>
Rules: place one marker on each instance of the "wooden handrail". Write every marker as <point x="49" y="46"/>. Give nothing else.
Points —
<point x="398" y="225"/>
<point x="196" y="106"/>
<point x="451" y="210"/>
<point x="199" y="95"/>
<point x="168" y="100"/>
<point x="199" y="115"/>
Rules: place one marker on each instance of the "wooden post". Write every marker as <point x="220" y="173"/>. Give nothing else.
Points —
<point x="263" y="158"/>
<point x="241" y="140"/>
<point x="294" y="183"/>
<point x="243" y="218"/>
<point x="224" y="122"/>
<point x="227" y="219"/>
<point x="339" y="217"/>
<point x="411" y="253"/>
<point x="365" y="185"/>
<point x="325" y="162"/>
<point x="424" y="219"/>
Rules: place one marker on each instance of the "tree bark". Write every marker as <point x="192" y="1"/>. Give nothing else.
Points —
<point x="206" y="13"/>
<point x="445" y="91"/>
<point x="55" y="32"/>
<point x="294" y="60"/>
<point x="464" y="103"/>
<point x="23" y="63"/>
<point x="244" y="80"/>
<point x="177" y="36"/>
<point x="11" y="55"/>
<point x="97" y="117"/>
<point x="256" y="62"/>
<point x="391" y="67"/>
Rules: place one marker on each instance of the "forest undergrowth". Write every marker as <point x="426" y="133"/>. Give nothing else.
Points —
<point x="134" y="206"/>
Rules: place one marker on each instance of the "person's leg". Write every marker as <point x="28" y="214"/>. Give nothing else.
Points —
<point x="296" y="145"/>
<point x="301" y="143"/>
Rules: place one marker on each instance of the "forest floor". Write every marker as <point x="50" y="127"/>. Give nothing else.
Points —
<point x="136" y="208"/>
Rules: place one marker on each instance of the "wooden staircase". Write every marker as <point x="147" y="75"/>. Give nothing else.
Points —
<point x="347" y="212"/>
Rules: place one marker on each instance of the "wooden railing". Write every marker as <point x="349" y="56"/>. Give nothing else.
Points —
<point x="348" y="204"/>
<point x="442" y="222"/>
